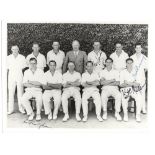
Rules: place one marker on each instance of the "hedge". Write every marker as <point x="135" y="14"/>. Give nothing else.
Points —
<point x="24" y="34"/>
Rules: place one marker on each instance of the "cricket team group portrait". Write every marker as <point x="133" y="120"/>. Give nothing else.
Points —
<point x="77" y="72"/>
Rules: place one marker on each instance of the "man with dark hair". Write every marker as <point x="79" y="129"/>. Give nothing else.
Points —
<point x="119" y="57"/>
<point x="109" y="79"/>
<point x="77" y="56"/>
<point x="15" y="64"/>
<point x="71" y="83"/>
<point x="140" y="67"/>
<point x="33" y="81"/>
<point x="52" y="86"/>
<point x="90" y="81"/>
<point x="57" y="55"/>
<point x="98" y="57"/>
<point x="131" y="87"/>
<point x="41" y="61"/>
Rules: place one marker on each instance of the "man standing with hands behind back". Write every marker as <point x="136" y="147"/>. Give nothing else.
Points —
<point x="57" y="55"/>
<point x="41" y="61"/>
<point x="15" y="63"/>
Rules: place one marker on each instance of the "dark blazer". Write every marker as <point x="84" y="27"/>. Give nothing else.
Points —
<point x="79" y="60"/>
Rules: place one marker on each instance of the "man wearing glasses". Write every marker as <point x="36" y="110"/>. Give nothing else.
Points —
<point x="33" y="80"/>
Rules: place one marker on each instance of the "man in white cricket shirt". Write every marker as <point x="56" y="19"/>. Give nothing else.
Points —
<point x="33" y="81"/>
<point x="119" y="58"/>
<point x="57" y="55"/>
<point x="90" y="81"/>
<point x="131" y="86"/>
<point x="98" y="57"/>
<point x="71" y="83"/>
<point x="52" y="86"/>
<point x="41" y="61"/>
<point x="109" y="79"/>
<point x="140" y="67"/>
<point x="15" y="63"/>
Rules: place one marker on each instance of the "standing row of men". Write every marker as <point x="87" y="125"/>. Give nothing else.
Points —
<point x="110" y="78"/>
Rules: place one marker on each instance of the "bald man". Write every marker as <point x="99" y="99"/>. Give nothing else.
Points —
<point x="77" y="56"/>
<point x="71" y="83"/>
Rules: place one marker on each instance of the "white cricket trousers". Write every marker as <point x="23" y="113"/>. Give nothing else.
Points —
<point x="96" y="99"/>
<point x="26" y="103"/>
<point x="71" y="92"/>
<point x="47" y="95"/>
<point x="111" y="91"/>
<point x="138" y="98"/>
<point x="14" y="82"/>
<point x="143" y="96"/>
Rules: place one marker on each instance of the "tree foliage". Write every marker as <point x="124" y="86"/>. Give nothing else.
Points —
<point x="24" y="34"/>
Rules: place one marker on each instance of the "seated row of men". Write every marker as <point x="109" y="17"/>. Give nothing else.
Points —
<point x="52" y="81"/>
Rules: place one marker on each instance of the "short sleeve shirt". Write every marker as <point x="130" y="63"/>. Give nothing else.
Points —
<point x="58" y="58"/>
<point x="41" y="61"/>
<point x="119" y="62"/>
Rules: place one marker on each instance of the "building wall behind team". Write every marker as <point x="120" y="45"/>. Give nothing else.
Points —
<point x="24" y="34"/>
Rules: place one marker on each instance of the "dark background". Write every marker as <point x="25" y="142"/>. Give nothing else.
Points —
<point x="108" y="34"/>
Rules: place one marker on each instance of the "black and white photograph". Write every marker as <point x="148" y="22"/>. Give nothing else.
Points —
<point x="77" y="75"/>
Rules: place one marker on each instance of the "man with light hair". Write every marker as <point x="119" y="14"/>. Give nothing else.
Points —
<point x="98" y="57"/>
<point x="15" y="64"/>
<point x="71" y="83"/>
<point x="41" y="61"/>
<point x="77" y="56"/>
<point x="57" y="55"/>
